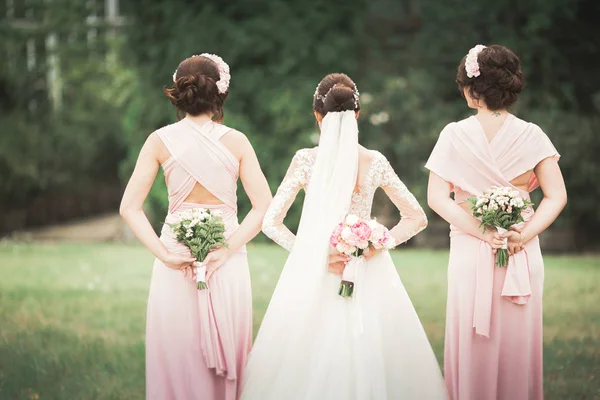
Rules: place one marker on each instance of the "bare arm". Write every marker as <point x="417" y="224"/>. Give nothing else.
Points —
<point x="555" y="198"/>
<point x="438" y="198"/>
<point x="258" y="191"/>
<point x="131" y="208"/>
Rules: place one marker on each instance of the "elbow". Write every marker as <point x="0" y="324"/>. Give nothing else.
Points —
<point x="266" y="225"/>
<point x="261" y="209"/>
<point x="433" y="204"/>
<point x="563" y="201"/>
<point x="423" y="222"/>
<point x="125" y="211"/>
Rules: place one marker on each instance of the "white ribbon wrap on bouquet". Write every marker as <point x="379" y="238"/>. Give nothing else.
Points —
<point x="200" y="272"/>
<point x="353" y="273"/>
<point x="502" y="231"/>
<point x="351" y="269"/>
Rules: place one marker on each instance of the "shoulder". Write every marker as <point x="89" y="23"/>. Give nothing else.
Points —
<point x="166" y="130"/>
<point x="453" y="126"/>
<point x="301" y="165"/>
<point x="305" y="156"/>
<point x="378" y="159"/>
<point x="529" y="129"/>
<point x="381" y="170"/>
<point x="155" y="147"/>
<point x="236" y="141"/>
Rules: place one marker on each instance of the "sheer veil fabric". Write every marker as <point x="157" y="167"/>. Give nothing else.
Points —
<point x="293" y="313"/>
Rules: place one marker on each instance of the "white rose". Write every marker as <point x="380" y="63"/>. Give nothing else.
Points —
<point x="346" y="233"/>
<point x="342" y="247"/>
<point x="351" y="219"/>
<point x="373" y="224"/>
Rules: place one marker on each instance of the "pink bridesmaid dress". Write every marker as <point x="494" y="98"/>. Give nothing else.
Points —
<point x="493" y="345"/>
<point x="197" y="341"/>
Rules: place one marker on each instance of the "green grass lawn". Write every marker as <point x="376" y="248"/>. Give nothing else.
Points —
<point x="72" y="317"/>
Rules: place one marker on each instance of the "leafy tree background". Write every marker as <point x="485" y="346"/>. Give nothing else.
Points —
<point x="402" y="54"/>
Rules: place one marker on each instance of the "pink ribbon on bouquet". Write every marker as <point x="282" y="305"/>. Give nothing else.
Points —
<point x="516" y="287"/>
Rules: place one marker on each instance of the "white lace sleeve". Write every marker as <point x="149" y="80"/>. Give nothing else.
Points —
<point x="413" y="219"/>
<point x="297" y="177"/>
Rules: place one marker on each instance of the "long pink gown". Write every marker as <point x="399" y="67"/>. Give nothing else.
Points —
<point x="493" y="346"/>
<point x="197" y="342"/>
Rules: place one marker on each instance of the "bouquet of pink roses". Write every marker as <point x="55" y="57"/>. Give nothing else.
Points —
<point x="354" y="237"/>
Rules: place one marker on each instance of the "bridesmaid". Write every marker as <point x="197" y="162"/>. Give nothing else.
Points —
<point x="197" y="342"/>
<point x="493" y="346"/>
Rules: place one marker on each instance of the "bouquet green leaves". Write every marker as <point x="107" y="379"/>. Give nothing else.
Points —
<point x="201" y="230"/>
<point x="500" y="207"/>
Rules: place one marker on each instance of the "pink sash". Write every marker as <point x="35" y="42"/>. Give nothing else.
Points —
<point x="199" y="156"/>
<point x="463" y="157"/>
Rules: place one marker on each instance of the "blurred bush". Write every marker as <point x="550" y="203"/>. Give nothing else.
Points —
<point x="402" y="54"/>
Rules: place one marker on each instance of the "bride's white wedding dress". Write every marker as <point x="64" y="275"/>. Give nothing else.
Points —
<point x="314" y="344"/>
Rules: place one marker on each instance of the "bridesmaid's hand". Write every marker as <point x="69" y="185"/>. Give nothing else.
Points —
<point x="178" y="261"/>
<point x="515" y="242"/>
<point x="493" y="239"/>
<point x="215" y="260"/>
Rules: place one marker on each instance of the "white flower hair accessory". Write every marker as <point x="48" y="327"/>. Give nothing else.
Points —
<point x="355" y="94"/>
<point x="224" y="75"/>
<point x="471" y="64"/>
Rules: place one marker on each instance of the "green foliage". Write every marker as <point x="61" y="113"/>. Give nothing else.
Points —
<point x="201" y="231"/>
<point x="402" y="54"/>
<point x="498" y="217"/>
<point x="44" y="146"/>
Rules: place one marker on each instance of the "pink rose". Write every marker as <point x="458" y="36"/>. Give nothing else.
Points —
<point x="380" y="237"/>
<point x="362" y="230"/>
<point x="335" y="236"/>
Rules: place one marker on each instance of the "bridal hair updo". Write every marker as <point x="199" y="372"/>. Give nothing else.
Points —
<point x="492" y="74"/>
<point x="195" y="88"/>
<point x="336" y="92"/>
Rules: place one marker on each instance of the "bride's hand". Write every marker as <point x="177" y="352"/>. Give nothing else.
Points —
<point x="372" y="253"/>
<point x="337" y="263"/>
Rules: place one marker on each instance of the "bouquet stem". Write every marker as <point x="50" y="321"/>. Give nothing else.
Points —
<point x="346" y="289"/>
<point x="201" y="285"/>
<point x="201" y="276"/>
<point x="502" y="258"/>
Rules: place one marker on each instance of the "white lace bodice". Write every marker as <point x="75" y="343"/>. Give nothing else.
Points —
<point x="380" y="174"/>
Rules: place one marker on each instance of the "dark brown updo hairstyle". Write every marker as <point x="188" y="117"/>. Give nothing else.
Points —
<point x="500" y="79"/>
<point x="195" y="89"/>
<point x="336" y="92"/>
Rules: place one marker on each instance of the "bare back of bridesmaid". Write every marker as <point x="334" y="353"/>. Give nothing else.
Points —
<point x="197" y="342"/>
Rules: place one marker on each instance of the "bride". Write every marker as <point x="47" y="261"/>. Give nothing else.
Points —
<point x="314" y="344"/>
